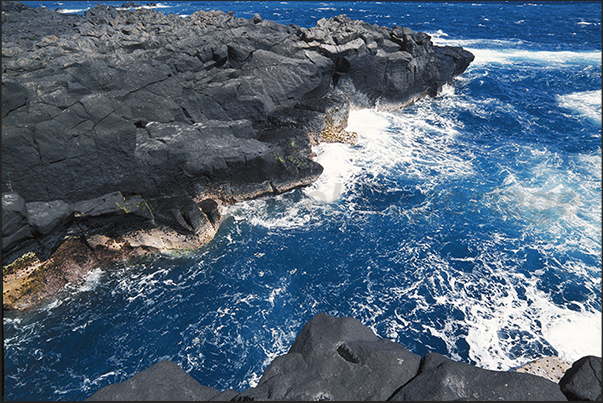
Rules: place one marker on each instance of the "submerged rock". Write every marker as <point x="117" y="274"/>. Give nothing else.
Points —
<point x="340" y="359"/>
<point x="135" y="102"/>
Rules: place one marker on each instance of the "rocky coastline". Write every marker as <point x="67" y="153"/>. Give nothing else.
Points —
<point x="125" y="130"/>
<point x="337" y="358"/>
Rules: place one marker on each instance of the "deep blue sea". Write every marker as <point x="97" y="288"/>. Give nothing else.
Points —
<point x="468" y="224"/>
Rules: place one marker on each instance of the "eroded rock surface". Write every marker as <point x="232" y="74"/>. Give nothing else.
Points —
<point x="336" y="359"/>
<point x="90" y="233"/>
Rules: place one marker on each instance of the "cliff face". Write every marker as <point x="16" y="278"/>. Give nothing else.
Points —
<point x="119" y="123"/>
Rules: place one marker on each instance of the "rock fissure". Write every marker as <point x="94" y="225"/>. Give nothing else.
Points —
<point x="37" y="146"/>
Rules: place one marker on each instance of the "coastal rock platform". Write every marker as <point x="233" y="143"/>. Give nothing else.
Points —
<point x="338" y="358"/>
<point x="124" y="131"/>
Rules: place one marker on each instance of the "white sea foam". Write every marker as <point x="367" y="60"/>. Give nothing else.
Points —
<point x="342" y="162"/>
<point x="413" y="144"/>
<point x="71" y="10"/>
<point x="91" y="280"/>
<point x="547" y="58"/>
<point x="158" y="5"/>
<point x="575" y="334"/>
<point x="501" y="327"/>
<point x="339" y="169"/>
<point x="54" y="303"/>
<point x="587" y="103"/>
<point x="274" y="293"/>
<point x="502" y="51"/>
<point x="559" y="206"/>
<point x="556" y="207"/>
<point x="502" y="330"/>
<point x="260" y="213"/>
<point x="441" y="38"/>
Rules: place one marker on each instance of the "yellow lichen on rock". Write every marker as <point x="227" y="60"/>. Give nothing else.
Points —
<point x="16" y="275"/>
<point x="29" y="280"/>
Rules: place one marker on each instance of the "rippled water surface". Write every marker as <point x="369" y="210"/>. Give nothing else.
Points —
<point x="467" y="224"/>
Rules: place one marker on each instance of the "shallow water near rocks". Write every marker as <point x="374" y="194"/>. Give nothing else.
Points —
<point x="468" y="224"/>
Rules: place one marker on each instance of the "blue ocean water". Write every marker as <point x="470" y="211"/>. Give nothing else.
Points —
<point x="468" y="224"/>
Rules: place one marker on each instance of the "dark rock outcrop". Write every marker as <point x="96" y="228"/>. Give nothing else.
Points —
<point x="340" y="359"/>
<point x="15" y="228"/>
<point x="336" y="359"/>
<point x="583" y="380"/>
<point x="440" y="378"/>
<point x="131" y="100"/>
<point x="206" y="107"/>
<point x="72" y="239"/>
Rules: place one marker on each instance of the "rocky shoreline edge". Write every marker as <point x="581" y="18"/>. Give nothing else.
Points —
<point x="338" y="358"/>
<point x="124" y="131"/>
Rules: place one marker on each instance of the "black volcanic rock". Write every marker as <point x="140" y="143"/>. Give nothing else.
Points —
<point x="440" y="378"/>
<point x="80" y="93"/>
<point x="45" y="217"/>
<point x="15" y="228"/>
<point x="336" y="359"/>
<point x="120" y="103"/>
<point x="583" y="380"/>
<point x="340" y="359"/>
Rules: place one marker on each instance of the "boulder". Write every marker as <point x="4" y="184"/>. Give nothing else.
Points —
<point x="336" y="359"/>
<point x="44" y="217"/>
<point x="440" y="378"/>
<point x="583" y="380"/>
<point x="164" y="381"/>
